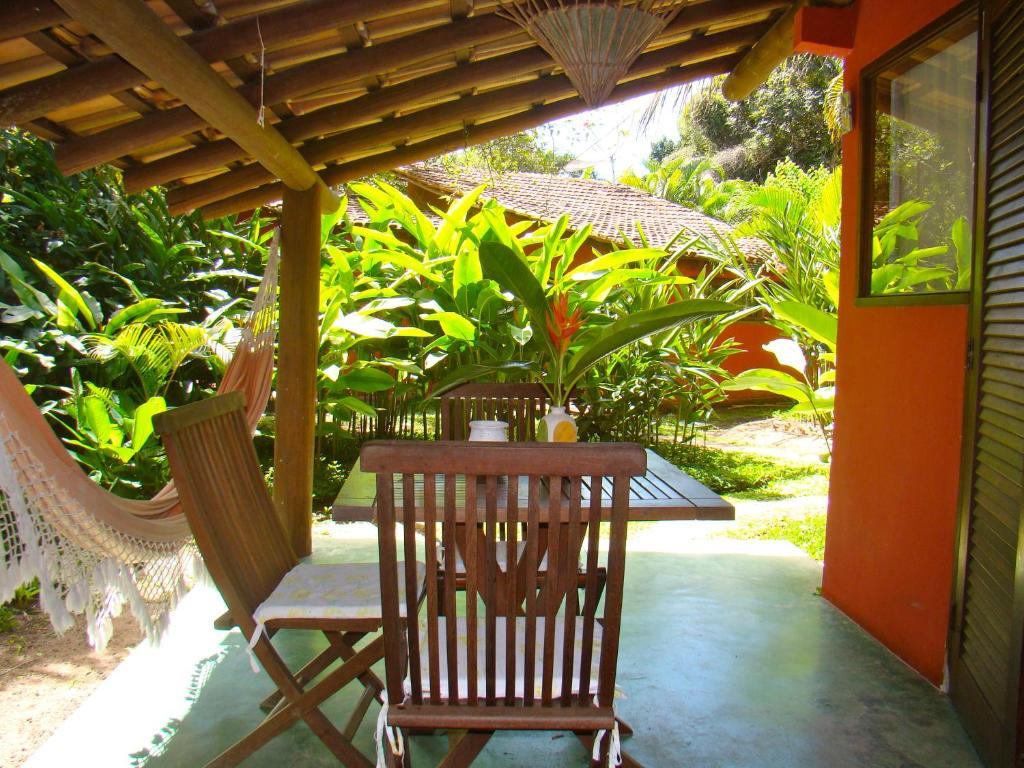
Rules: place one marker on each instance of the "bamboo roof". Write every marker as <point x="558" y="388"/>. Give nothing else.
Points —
<point x="354" y="86"/>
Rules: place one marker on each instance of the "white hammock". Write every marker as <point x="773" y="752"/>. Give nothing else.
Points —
<point x="92" y="551"/>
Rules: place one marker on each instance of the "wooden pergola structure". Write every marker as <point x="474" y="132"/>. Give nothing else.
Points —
<point x="173" y="91"/>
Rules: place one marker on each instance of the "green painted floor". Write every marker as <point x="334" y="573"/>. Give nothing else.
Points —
<point x="729" y="659"/>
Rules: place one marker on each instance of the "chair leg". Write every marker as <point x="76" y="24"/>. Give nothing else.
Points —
<point x="343" y="643"/>
<point x="304" y="704"/>
<point x="464" y="748"/>
<point x="320" y="662"/>
<point x="587" y="740"/>
<point x="356" y="718"/>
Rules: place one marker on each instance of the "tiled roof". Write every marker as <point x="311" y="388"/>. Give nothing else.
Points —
<point x="612" y="209"/>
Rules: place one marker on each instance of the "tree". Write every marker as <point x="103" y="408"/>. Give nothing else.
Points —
<point x="782" y="119"/>
<point x="660" y="150"/>
<point x="509" y="154"/>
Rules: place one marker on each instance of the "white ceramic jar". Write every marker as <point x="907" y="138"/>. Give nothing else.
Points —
<point x="488" y="431"/>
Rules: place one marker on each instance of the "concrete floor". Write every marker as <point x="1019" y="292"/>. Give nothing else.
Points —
<point x="728" y="659"/>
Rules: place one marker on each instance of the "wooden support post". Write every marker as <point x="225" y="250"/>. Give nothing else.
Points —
<point x="295" y="412"/>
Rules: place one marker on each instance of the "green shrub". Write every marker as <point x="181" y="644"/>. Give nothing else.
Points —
<point x="7" y="620"/>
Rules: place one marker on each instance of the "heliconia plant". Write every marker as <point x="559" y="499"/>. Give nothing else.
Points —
<point x="568" y="340"/>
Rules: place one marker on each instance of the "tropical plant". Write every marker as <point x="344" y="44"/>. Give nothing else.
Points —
<point x="111" y="309"/>
<point x="570" y="333"/>
<point x="694" y="183"/>
<point x="813" y="389"/>
<point x="900" y="264"/>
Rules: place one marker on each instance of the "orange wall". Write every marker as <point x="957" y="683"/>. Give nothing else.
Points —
<point x="893" y="501"/>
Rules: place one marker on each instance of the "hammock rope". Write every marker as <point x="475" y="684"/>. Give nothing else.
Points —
<point x="92" y="551"/>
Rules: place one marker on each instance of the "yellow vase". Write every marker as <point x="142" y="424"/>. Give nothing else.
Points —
<point x="557" y="426"/>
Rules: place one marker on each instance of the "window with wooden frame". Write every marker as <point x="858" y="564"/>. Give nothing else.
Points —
<point x="919" y="151"/>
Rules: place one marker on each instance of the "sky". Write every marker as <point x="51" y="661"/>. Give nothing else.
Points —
<point x="610" y="138"/>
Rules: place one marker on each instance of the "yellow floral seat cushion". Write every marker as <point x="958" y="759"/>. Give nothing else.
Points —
<point x="331" y="591"/>
<point x="501" y="655"/>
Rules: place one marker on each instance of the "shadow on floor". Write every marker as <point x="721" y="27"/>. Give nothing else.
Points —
<point x="728" y="660"/>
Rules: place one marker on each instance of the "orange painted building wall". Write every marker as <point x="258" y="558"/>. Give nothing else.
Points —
<point x="889" y="556"/>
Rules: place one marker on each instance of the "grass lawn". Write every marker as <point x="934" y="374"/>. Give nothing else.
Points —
<point x="748" y="477"/>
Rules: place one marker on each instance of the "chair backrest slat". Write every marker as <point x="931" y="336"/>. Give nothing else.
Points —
<point x="512" y="584"/>
<point x="537" y="492"/>
<point x="450" y="577"/>
<point x="571" y="593"/>
<point x="490" y="585"/>
<point x="469" y="556"/>
<point x="412" y="619"/>
<point x="224" y="497"/>
<point x="433" y="607"/>
<point x="590" y="593"/>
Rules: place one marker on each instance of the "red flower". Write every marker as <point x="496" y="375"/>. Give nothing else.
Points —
<point x="562" y="324"/>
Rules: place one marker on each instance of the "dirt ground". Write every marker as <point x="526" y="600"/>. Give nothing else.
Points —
<point x="44" y="678"/>
<point x="781" y="438"/>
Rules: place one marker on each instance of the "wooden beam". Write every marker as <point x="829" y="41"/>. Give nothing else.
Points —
<point x="375" y="105"/>
<point x="111" y="74"/>
<point x="295" y="406"/>
<point x="770" y="51"/>
<point x="22" y="17"/>
<point x="116" y="142"/>
<point x="299" y="81"/>
<point x="468" y="108"/>
<point x="138" y="35"/>
<point x="474" y="134"/>
<point x="328" y="120"/>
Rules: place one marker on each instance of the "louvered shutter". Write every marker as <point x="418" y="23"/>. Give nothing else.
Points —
<point x="987" y="643"/>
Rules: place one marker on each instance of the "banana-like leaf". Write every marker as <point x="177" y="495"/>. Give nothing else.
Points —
<point x="768" y="380"/>
<point x="142" y="425"/>
<point x="366" y="380"/>
<point x="614" y="260"/>
<point x="357" y="405"/>
<point x="466" y="269"/>
<point x="454" y="325"/>
<point x="640" y="325"/>
<point x="501" y="264"/>
<point x="140" y="312"/>
<point x="69" y="295"/>
<point x="819" y="325"/>
<point x="469" y="373"/>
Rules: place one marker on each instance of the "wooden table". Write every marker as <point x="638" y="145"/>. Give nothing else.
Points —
<point x="664" y="493"/>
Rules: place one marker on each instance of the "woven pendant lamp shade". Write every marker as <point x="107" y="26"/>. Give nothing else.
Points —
<point x="594" y="41"/>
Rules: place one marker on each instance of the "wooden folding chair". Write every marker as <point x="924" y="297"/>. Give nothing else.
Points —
<point x="521" y="405"/>
<point x="266" y="588"/>
<point x="533" y="661"/>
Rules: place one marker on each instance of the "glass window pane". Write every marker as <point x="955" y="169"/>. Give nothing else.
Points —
<point x="923" y="166"/>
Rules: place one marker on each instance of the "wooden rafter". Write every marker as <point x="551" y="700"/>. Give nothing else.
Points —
<point x="116" y="142"/>
<point x="138" y="35"/>
<point x="372" y="106"/>
<point x="469" y="108"/>
<point x="290" y="84"/>
<point x="23" y="17"/>
<point x="111" y="73"/>
<point x="348" y="84"/>
<point x="470" y="135"/>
